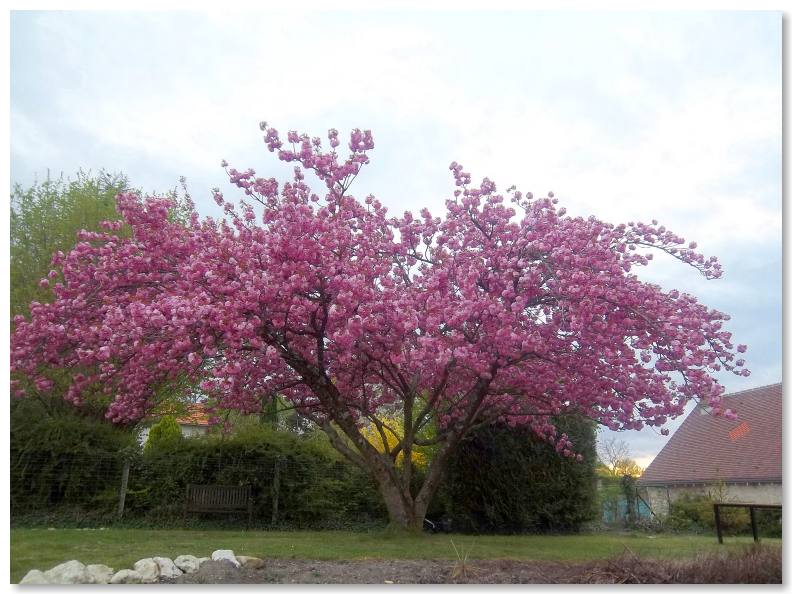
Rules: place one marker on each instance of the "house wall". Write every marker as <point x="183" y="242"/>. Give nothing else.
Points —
<point x="659" y="498"/>
<point x="192" y="430"/>
<point x="186" y="430"/>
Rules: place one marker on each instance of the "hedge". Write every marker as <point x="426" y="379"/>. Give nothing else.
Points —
<point x="506" y="480"/>
<point x="315" y="488"/>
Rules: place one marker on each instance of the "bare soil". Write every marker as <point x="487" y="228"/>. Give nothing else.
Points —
<point x="756" y="566"/>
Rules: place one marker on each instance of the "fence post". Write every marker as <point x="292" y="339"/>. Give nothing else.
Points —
<point x="122" y="493"/>
<point x="754" y="527"/>
<point x="718" y="527"/>
<point x="276" y="489"/>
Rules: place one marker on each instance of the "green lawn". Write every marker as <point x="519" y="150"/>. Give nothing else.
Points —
<point x="120" y="548"/>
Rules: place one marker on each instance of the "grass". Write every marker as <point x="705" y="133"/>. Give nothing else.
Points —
<point x="40" y="548"/>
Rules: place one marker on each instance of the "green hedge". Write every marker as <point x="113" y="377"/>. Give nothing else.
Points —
<point x="506" y="480"/>
<point x="66" y="469"/>
<point x="62" y="458"/>
<point x="316" y="489"/>
<point x="67" y="466"/>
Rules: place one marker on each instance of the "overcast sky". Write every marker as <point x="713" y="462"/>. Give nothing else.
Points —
<point x="627" y="116"/>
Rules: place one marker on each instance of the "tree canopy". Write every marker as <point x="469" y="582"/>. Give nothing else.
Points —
<point x="505" y="309"/>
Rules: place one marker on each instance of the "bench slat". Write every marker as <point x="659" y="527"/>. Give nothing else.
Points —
<point x="207" y="497"/>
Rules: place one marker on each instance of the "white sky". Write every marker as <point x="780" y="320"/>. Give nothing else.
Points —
<point x="628" y="116"/>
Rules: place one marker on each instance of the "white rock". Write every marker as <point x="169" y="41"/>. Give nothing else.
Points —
<point x="167" y="568"/>
<point x="127" y="576"/>
<point x="35" y="576"/>
<point x="250" y="562"/>
<point x="202" y="560"/>
<point x="71" y="572"/>
<point x="188" y="563"/>
<point x="148" y="570"/>
<point x="225" y="555"/>
<point x="98" y="573"/>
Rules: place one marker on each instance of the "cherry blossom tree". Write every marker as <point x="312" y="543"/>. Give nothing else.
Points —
<point x="506" y="309"/>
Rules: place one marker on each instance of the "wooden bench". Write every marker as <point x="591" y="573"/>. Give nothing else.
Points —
<point x="219" y="499"/>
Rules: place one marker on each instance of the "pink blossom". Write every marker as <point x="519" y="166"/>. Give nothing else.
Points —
<point x="504" y="308"/>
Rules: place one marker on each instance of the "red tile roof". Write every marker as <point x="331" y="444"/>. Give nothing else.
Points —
<point x="706" y="448"/>
<point x="194" y="415"/>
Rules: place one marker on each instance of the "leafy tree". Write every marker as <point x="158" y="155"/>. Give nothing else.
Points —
<point x="46" y="217"/>
<point x="628" y="467"/>
<point x="163" y="433"/>
<point x="461" y="321"/>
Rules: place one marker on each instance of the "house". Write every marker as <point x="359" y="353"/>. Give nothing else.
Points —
<point x="194" y="421"/>
<point x="735" y="460"/>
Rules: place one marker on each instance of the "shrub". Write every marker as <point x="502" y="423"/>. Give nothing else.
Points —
<point x="508" y="480"/>
<point x="163" y="434"/>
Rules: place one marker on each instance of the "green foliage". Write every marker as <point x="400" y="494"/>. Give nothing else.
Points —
<point x="695" y="512"/>
<point x="316" y="488"/>
<point x="507" y="480"/>
<point x="769" y="523"/>
<point x="62" y="458"/>
<point x="163" y="434"/>
<point x="46" y="217"/>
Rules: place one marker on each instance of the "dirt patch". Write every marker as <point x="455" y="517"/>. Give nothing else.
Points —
<point x="375" y="571"/>
<point x="755" y="566"/>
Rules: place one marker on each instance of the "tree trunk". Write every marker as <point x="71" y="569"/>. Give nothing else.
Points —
<point x="403" y="513"/>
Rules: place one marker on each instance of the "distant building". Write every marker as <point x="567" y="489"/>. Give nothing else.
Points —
<point x="194" y="421"/>
<point x="739" y="459"/>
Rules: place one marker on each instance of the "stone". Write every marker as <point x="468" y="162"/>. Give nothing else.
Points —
<point x="148" y="570"/>
<point x="225" y="555"/>
<point x="250" y="562"/>
<point x="127" y="576"/>
<point x="167" y="568"/>
<point x="35" y="576"/>
<point x="71" y="572"/>
<point x="202" y="560"/>
<point x="98" y="574"/>
<point x="188" y="563"/>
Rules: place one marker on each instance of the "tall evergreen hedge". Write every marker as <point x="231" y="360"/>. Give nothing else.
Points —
<point x="63" y="458"/>
<point x="506" y="480"/>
